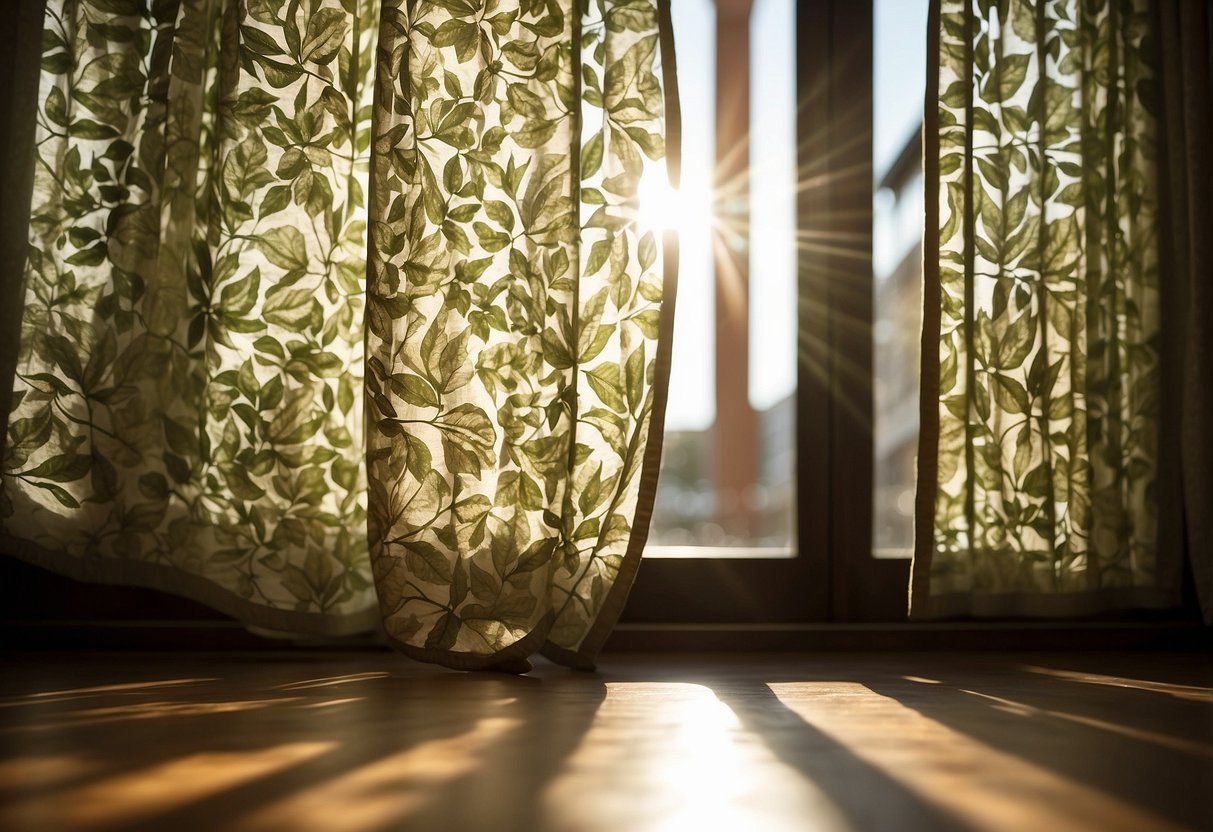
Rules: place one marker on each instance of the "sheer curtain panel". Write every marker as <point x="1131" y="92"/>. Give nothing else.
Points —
<point x="1066" y="326"/>
<point x="335" y="311"/>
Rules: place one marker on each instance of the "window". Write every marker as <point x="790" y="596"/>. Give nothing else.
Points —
<point x="727" y="487"/>
<point x="898" y="82"/>
<point x="795" y="352"/>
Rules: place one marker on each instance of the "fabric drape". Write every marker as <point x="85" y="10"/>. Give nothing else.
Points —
<point x="1039" y="464"/>
<point x="512" y="323"/>
<point x="1185" y="47"/>
<point x="300" y="266"/>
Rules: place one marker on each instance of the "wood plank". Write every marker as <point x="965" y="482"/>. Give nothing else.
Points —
<point x="369" y="740"/>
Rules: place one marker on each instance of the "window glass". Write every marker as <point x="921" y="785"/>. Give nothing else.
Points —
<point x="730" y="491"/>
<point x="899" y="84"/>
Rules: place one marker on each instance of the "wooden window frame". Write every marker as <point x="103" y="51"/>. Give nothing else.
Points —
<point x="833" y="576"/>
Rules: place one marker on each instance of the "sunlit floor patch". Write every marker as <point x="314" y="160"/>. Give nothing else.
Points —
<point x="149" y="710"/>
<point x="1187" y="746"/>
<point x="1194" y="693"/>
<point x="330" y="681"/>
<point x="668" y="757"/>
<point x="385" y="792"/>
<point x="96" y="690"/>
<point x="985" y="788"/>
<point x="40" y="771"/>
<point x="146" y="792"/>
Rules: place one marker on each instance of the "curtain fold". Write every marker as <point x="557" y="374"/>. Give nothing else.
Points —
<point x="1184" y="34"/>
<point x="513" y="322"/>
<point x="1039" y="465"/>
<point x="300" y="266"/>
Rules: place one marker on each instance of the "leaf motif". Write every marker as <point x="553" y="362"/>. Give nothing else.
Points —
<point x="239" y="297"/>
<point x="1010" y="394"/>
<point x="62" y="468"/>
<point x="414" y="390"/>
<point x="607" y="383"/>
<point x="591" y="156"/>
<point x="325" y="35"/>
<point x="427" y="563"/>
<point x="284" y="247"/>
<point x="634" y="376"/>
<point x="445" y="632"/>
<point x="1016" y="343"/>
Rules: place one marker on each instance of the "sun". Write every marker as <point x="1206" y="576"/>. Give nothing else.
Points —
<point x="662" y="207"/>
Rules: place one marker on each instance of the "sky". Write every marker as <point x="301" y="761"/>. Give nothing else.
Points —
<point x="899" y="45"/>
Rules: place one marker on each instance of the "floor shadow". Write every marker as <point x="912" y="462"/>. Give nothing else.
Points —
<point x="367" y="743"/>
<point x="866" y="795"/>
<point x="372" y="741"/>
<point x="1149" y="747"/>
<point x="1135" y="728"/>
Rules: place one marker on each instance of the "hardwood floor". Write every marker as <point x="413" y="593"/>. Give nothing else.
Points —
<point x="369" y="741"/>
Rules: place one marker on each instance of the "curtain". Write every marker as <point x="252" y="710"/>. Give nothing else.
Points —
<point x="332" y="305"/>
<point x="1046" y="439"/>
<point x="1185" y="45"/>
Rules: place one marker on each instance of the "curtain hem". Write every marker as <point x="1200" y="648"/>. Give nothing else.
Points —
<point x="158" y="576"/>
<point x="574" y="659"/>
<point x="1035" y="605"/>
<point x="512" y="659"/>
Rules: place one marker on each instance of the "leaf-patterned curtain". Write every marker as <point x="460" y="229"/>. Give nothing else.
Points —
<point x="1039" y="458"/>
<point x="332" y="304"/>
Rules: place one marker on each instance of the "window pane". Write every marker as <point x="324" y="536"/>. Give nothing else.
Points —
<point x="713" y="498"/>
<point x="899" y="83"/>
<point x="692" y="404"/>
<point x="773" y="265"/>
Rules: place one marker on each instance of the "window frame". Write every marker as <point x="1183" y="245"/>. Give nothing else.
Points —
<point x="833" y="576"/>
